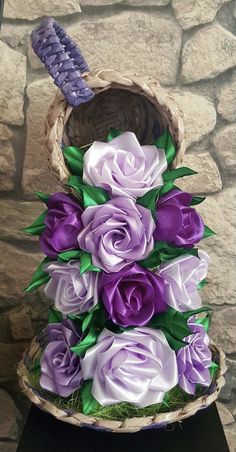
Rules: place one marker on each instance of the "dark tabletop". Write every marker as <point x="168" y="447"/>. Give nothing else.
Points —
<point x="200" y="433"/>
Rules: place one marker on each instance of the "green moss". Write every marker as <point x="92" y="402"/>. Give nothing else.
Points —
<point x="174" y="399"/>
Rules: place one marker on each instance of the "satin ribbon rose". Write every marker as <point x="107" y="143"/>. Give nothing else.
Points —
<point x="60" y="367"/>
<point x="72" y="292"/>
<point x="62" y="224"/>
<point x="123" y="167"/>
<point x="182" y="277"/>
<point x="194" y="359"/>
<point x="116" y="233"/>
<point x="137" y="366"/>
<point x="176" y="222"/>
<point x="132" y="296"/>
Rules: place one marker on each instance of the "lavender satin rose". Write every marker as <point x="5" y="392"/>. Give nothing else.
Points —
<point x="63" y="223"/>
<point x="117" y="233"/>
<point x="60" y="367"/>
<point x="182" y="277"/>
<point x="176" y="222"/>
<point x="194" y="359"/>
<point x="137" y="366"/>
<point x="123" y="167"/>
<point x="132" y="296"/>
<point x="72" y="292"/>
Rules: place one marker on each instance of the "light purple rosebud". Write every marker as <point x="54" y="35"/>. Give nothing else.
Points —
<point x="72" y="292"/>
<point x="60" y="367"/>
<point x="182" y="277"/>
<point x="137" y="366"/>
<point x="176" y="222"/>
<point x="133" y="295"/>
<point x="117" y="233"/>
<point x="194" y="359"/>
<point x="63" y="223"/>
<point x="123" y="167"/>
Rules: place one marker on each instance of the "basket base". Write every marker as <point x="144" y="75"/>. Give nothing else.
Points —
<point x="201" y="432"/>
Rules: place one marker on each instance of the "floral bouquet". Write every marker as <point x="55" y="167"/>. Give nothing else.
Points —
<point x="126" y="339"/>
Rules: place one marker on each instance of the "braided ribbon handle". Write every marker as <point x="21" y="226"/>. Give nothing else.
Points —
<point x="63" y="60"/>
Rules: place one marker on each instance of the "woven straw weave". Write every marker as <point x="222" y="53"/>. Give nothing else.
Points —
<point x="126" y="102"/>
<point x="126" y="425"/>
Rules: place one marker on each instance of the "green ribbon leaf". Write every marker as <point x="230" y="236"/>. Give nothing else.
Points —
<point x="172" y="321"/>
<point x="74" y="158"/>
<point x="67" y="256"/>
<point x="40" y="277"/>
<point x="200" y="310"/>
<point x="204" y="321"/>
<point x="85" y="260"/>
<point x="174" y="343"/>
<point x="208" y="232"/>
<point x="86" y="264"/>
<point x="92" y="325"/>
<point x="213" y="369"/>
<point x="79" y="317"/>
<point x="177" y="173"/>
<point x="91" y="196"/>
<point x="166" y="188"/>
<point x="202" y="284"/>
<point x="38" y="226"/>
<point x="89" y="403"/>
<point x="88" y="341"/>
<point x="95" y="317"/>
<point x="197" y="200"/>
<point x="174" y="325"/>
<point x="163" y="252"/>
<point x="54" y="316"/>
<point x="44" y="197"/>
<point x="149" y="200"/>
<point x="113" y="133"/>
<point x="165" y="141"/>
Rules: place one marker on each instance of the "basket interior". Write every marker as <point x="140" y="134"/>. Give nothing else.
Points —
<point x="114" y="108"/>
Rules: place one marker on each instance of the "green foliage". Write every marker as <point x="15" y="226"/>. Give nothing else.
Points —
<point x="166" y="142"/>
<point x="39" y="277"/>
<point x="90" y="196"/>
<point x="44" y="197"/>
<point x="113" y="133"/>
<point x="38" y="226"/>
<point x="54" y="316"/>
<point x="208" y="232"/>
<point x="163" y="252"/>
<point x="74" y="158"/>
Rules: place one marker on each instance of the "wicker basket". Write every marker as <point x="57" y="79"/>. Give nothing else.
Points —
<point x="127" y="425"/>
<point x="87" y="105"/>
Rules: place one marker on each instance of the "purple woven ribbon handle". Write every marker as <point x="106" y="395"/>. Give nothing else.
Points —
<point x="63" y="60"/>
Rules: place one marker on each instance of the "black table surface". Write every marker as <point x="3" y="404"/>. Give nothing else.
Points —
<point x="200" y="433"/>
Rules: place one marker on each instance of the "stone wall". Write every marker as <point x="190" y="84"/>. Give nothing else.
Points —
<point x="190" y="46"/>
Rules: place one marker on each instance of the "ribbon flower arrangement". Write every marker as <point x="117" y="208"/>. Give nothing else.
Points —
<point x="124" y="274"/>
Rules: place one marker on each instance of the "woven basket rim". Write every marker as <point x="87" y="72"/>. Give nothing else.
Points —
<point x="102" y="80"/>
<point x="127" y="425"/>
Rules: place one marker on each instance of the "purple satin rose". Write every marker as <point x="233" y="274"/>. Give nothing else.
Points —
<point x="182" y="277"/>
<point x="72" y="292"/>
<point x="133" y="295"/>
<point x="137" y="366"/>
<point x="63" y="223"/>
<point x="60" y="367"/>
<point x="123" y="167"/>
<point x="194" y="359"/>
<point x="176" y="222"/>
<point x="117" y="233"/>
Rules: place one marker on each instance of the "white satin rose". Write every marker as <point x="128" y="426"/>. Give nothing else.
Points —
<point x="72" y="292"/>
<point x="136" y="366"/>
<point x="182" y="277"/>
<point x="123" y="167"/>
